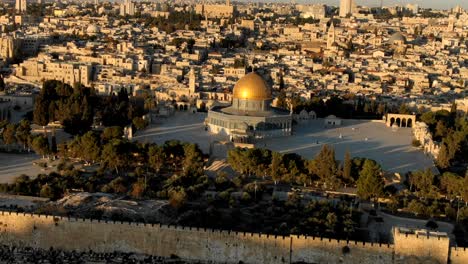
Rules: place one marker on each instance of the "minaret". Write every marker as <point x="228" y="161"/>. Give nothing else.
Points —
<point x="331" y="36"/>
<point x="228" y="2"/>
<point x="192" y="81"/>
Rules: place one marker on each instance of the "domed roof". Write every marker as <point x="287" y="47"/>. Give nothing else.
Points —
<point x="93" y="29"/>
<point x="396" y="37"/>
<point x="251" y="86"/>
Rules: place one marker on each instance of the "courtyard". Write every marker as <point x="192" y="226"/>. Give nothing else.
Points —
<point x="362" y="138"/>
<point x="14" y="165"/>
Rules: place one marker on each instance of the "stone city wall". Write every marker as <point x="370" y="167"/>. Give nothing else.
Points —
<point x="41" y="231"/>
<point x="458" y="255"/>
<point x="324" y="250"/>
<point x="434" y="245"/>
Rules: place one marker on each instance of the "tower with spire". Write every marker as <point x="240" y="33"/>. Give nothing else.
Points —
<point x="331" y="36"/>
<point x="192" y="81"/>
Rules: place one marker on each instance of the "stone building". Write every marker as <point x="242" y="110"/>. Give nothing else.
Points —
<point x="250" y="115"/>
<point x="215" y="11"/>
<point x="422" y="133"/>
<point x="127" y="8"/>
<point x="36" y="70"/>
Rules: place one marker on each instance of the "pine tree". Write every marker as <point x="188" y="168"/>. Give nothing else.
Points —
<point x="370" y="183"/>
<point x="41" y="111"/>
<point x="276" y="168"/>
<point x="347" y="165"/>
<point x="443" y="160"/>
<point x="40" y="145"/>
<point x="325" y="167"/>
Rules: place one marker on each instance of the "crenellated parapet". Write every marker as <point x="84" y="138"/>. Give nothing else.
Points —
<point x="70" y="233"/>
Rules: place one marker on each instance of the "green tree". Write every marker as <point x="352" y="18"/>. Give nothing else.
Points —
<point x="423" y="181"/>
<point x="53" y="144"/>
<point x="429" y="118"/>
<point x="276" y="166"/>
<point x="138" y="189"/>
<point x="404" y="110"/>
<point x="370" y="183"/>
<point x="193" y="160"/>
<point x="325" y="167"/>
<point x="282" y="100"/>
<point x="331" y="221"/>
<point x="417" y="208"/>
<point x="441" y="129"/>
<point x="40" y="145"/>
<point x="41" y="111"/>
<point x="443" y="160"/>
<point x="452" y="184"/>
<point x="47" y="191"/>
<point x="156" y="157"/>
<point x="381" y="109"/>
<point x="177" y="197"/>
<point x="464" y="193"/>
<point x="23" y="132"/>
<point x="9" y="134"/>
<point x="90" y="147"/>
<point x="139" y="123"/>
<point x="347" y="167"/>
<point x="109" y="133"/>
<point x="116" y="155"/>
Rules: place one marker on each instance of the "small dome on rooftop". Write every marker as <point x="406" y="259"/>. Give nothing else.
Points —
<point x="397" y="37"/>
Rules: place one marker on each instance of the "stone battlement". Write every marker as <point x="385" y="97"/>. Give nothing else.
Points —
<point x="45" y="231"/>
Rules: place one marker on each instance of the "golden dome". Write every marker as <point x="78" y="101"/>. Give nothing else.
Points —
<point x="251" y="86"/>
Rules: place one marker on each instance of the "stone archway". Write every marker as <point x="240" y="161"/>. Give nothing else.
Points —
<point x="203" y="106"/>
<point x="400" y="120"/>
<point x="410" y="122"/>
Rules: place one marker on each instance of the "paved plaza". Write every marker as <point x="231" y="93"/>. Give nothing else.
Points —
<point x="183" y="126"/>
<point x="392" y="149"/>
<point x="374" y="140"/>
<point x="13" y="165"/>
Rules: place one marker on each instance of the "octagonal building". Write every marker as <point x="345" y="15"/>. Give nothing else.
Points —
<point x="250" y="115"/>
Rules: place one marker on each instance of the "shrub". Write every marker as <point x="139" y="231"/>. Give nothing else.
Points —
<point x="177" y="198"/>
<point x="431" y="224"/>
<point x="418" y="208"/>
<point x="246" y="197"/>
<point x="416" y="143"/>
<point x="47" y="191"/>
